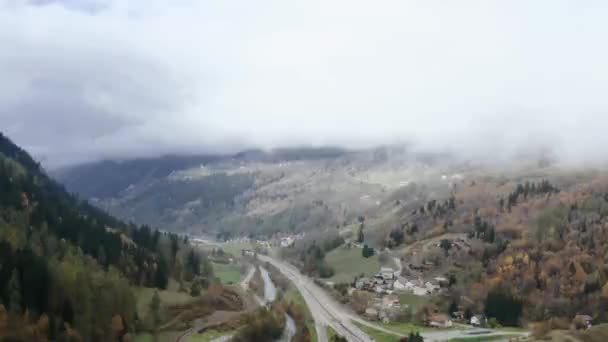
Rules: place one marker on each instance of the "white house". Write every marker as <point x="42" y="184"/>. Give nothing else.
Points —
<point x="478" y="320"/>
<point x="287" y="241"/>
<point x="398" y="285"/>
<point x="420" y="291"/>
<point x="387" y="273"/>
<point x="431" y="287"/>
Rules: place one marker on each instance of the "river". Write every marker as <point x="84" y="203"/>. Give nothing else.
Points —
<point x="270" y="295"/>
<point x="270" y="290"/>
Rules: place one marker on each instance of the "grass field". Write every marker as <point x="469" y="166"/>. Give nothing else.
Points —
<point x="331" y="333"/>
<point x="348" y="263"/>
<point x="207" y="336"/>
<point x="483" y="338"/>
<point x="598" y="333"/>
<point x="144" y="296"/>
<point x="167" y="336"/>
<point x="235" y="248"/>
<point x="404" y="328"/>
<point x="228" y="274"/>
<point x="413" y="301"/>
<point x="377" y="335"/>
<point x="293" y="295"/>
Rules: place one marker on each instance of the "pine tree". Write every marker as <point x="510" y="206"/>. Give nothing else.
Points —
<point x="360" y="236"/>
<point x="14" y="288"/>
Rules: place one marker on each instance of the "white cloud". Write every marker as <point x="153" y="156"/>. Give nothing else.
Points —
<point x="91" y="79"/>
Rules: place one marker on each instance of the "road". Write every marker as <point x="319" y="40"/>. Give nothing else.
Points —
<point x="325" y="310"/>
<point x="328" y="312"/>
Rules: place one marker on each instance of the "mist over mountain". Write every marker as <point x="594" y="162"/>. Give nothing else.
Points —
<point x="485" y="81"/>
<point x="303" y="170"/>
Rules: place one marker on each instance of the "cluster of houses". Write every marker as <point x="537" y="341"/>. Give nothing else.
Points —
<point x="280" y="240"/>
<point x="387" y="281"/>
<point x="387" y="284"/>
<point x="289" y="240"/>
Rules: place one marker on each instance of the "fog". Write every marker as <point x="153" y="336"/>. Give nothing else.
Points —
<point x="83" y="80"/>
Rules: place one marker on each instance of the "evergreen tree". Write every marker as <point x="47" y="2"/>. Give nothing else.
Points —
<point x="360" y="236"/>
<point x="14" y="288"/>
<point x="367" y="251"/>
<point x="161" y="278"/>
<point x="195" y="289"/>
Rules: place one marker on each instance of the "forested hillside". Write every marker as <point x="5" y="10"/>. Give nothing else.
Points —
<point x="520" y="249"/>
<point x="67" y="268"/>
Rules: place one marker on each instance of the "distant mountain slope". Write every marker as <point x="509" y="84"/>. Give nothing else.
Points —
<point x="108" y="178"/>
<point x="252" y="192"/>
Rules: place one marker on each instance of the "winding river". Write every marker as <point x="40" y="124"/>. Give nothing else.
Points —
<point x="270" y="295"/>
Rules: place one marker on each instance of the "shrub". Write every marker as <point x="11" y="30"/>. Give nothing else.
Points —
<point x="501" y="304"/>
<point x="367" y="251"/>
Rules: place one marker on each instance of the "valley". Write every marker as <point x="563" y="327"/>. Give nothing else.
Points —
<point x="484" y="231"/>
<point x="369" y="245"/>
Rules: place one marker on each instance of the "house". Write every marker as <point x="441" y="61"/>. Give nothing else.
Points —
<point x="287" y="241"/>
<point x="361" y="283"/>
<point x="420" y="291"/>
<point x="431" y="287"/>
<point x="399" y="284"/>
<point x="583" y="321"/>
<point x="387" y="273"/>
<point x="371" y="313"/>
<point x="440" y="321"/>
<point x="478" y="320"/>
<point x="442" y="281"/>
<point x="391" y="301"/>
<point x="458" y="315"/>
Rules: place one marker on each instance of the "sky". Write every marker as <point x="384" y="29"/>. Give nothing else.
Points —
<point x="83" y="80"/>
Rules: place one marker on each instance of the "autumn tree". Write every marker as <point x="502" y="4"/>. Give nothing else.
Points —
<point x="155" y="304"/>
<point x="117" y="327"/>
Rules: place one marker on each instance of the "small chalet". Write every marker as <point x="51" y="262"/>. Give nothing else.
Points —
<point x="440" y="321"/>
<point x="583" y="321"/>
<point x="478" y="321"/>
<point x="391" y="301"/>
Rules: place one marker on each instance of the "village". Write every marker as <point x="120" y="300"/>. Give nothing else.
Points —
<point x="388" y="284"/>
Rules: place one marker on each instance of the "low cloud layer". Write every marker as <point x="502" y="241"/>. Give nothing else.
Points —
<point x="90" y="79"/>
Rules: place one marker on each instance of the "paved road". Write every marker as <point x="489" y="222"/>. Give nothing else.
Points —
<point x="325" y="310"/>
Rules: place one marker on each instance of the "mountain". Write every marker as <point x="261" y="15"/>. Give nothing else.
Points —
<point x="520" y="241"/>
<point x="252" y="192"/>
<point x="66" y="267"/>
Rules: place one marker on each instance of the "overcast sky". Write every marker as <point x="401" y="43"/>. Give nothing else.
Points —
<point x="88" y="79"/>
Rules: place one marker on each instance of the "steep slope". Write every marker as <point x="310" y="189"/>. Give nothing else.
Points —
<point x="66" y="267"/>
